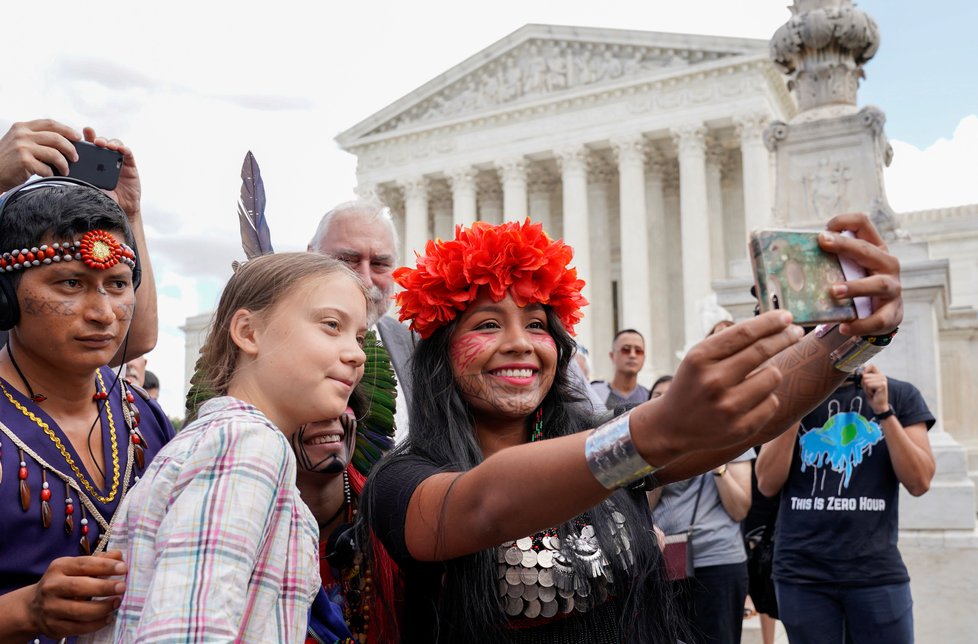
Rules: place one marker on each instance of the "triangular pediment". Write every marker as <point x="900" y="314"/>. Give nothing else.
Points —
<point x="546" y="61"/>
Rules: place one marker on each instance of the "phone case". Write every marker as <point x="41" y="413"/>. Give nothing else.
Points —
<point x="792" y="272"/>
<point x="98" y="166"/>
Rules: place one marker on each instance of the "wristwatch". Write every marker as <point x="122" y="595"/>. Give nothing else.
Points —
<point x="723" y="470"/>
<point x="884" y="415"/>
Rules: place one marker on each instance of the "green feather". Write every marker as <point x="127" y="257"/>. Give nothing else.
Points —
<point x="375" y="432"/>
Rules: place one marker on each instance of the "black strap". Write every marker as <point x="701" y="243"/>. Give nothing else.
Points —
<point x="696" y="505"/>
<point x="768" y="535"/>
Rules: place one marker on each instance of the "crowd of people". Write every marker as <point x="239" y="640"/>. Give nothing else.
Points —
<point x="450" y="475"/>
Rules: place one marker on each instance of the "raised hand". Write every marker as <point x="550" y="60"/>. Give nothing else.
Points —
<point x="722" y="391"/>
<point x="882" y="281"/>
<point x="128" y="191"/>
<point x="33" y="147"/>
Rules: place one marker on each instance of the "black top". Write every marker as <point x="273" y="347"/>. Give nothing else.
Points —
<point x="839" y="505"/>
<point x="423" y="580"/>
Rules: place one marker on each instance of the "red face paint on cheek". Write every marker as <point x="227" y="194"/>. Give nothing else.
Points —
<point x="546" y="340"/>
<point x="466" y="349"/>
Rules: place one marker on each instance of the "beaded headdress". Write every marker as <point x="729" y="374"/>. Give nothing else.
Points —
<point x="518" y="258"/>
<point x="97" y="249"/>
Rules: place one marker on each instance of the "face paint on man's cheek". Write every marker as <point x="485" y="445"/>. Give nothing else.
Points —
<point x="125" y="311"/>
<point x="465" y="350"/>
<point x="37" y="306"/>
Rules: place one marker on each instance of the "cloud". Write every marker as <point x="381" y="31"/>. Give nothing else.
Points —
<point x="941" y="175"/>
<point x="267" y="103"/>
<point x="196" y="255"/>
<point x="110" y="74"/>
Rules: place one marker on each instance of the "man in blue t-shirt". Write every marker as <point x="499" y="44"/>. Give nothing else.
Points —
<point x="837" y="570"/>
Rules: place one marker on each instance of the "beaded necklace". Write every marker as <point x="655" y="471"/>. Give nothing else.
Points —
<point x="78" y="483"/>
<point x="64" y="452"/>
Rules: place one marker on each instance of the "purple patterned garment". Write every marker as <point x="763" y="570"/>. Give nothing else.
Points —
<point x="26" y="546"/>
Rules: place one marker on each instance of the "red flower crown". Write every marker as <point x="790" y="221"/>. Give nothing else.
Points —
<point x="516" y="257"/>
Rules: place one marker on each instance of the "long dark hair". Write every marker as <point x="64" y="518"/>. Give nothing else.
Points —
<point x="442" y="431"/>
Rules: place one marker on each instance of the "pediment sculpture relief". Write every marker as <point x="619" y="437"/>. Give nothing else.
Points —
<point x="540" y="67"/>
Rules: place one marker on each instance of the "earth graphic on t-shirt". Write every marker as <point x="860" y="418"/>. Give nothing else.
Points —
<point x="841" y="441"/>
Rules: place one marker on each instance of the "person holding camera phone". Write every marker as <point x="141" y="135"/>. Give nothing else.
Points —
<point x="837" y="569"/>
<point x="45" y="148"/>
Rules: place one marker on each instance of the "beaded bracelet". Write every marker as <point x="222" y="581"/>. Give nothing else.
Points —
<point x="611" y="455"/>
<point x="857" y="351"/>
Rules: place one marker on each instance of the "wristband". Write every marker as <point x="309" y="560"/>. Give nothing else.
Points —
<point x="856" y="351"/>
<point x="611" y="455"/>
<point x="886" y="414"/>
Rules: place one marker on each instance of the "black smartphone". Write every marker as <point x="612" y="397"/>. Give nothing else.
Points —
<point x="98" y="166"/>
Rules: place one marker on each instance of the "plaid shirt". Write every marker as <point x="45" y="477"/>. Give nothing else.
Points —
<point x="220" y="546"/>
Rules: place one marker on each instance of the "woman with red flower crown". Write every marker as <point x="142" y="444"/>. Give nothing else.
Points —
<point x="509" y="519"/>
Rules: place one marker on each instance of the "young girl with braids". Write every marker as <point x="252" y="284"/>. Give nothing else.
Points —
<point x="220" y="545"/>
<point x="511" y="522"/>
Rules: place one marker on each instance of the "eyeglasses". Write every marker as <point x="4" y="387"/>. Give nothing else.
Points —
<point x="628" y="350"/>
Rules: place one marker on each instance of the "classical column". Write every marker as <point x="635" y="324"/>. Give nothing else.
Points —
<point x="416" y="232"/>
<point x="540" y="186"/>
<point x="440" y="202"/>
<point x="694" y="223"/>
<point x="512" y="175"/>
<point x="463" y="185"/>
<point x="490" y="198"/>
<point x="601" y="311"/>
<point x="657" y="282"/>
<point x="573" y="173"/>
<point x="714" y="207"/>
<point x="635" y="297"/>
<point x="758" y="204"/>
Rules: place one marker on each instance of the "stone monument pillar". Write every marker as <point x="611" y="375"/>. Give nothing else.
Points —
<point x="830" y="158"/>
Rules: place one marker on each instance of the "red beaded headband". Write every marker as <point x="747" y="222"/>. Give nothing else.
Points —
<point x="513" y="257"/>
<point x="97" y="249"/>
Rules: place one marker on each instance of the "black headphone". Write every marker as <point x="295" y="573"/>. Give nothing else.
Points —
<point x="9" y="309"/>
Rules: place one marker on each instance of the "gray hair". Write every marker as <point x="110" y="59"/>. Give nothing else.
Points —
<point x="367" y="211"/>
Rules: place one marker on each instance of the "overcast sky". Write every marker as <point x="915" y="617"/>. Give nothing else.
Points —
<point x="191" y="86"/>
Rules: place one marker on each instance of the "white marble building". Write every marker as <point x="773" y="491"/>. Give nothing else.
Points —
<point x="567" y="124"/>
<point x="643" y="150"/>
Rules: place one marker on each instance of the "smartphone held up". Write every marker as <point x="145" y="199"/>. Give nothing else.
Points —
<point x="792" y="272"/>
<point x="96" y="165"/>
